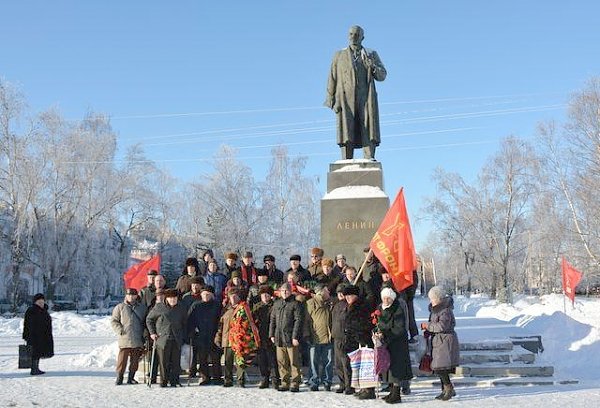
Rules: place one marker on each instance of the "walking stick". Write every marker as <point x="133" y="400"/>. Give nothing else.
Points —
<point x="152" y="364"/>
<point x="144" y="357"/>
<point x="190" y="364"/>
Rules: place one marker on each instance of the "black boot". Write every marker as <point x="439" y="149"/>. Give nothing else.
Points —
<point x="119" y="379"/>
<point x="405" y="387"/>
<point x="448" y="392"/>
<point x="441" y="394"/>
<point x="368" y="394"/>
<point x="35" y="367"/>
<point x="360" y="392"/>
<point x="131" y="379"/>
<point x="394" y="397"/>
<point x="264" y="383"/>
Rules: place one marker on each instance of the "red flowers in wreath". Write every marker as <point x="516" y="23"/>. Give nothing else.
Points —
<point x="243" y="335"/>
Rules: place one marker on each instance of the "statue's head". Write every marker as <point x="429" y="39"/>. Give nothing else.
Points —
<point x="356" y="35"/>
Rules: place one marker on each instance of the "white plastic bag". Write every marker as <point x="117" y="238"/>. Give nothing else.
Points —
<point x="419" y="348"/>
<point x="186" y="361"/>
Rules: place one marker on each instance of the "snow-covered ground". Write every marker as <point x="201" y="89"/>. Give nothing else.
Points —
<point x="82" y="372"/>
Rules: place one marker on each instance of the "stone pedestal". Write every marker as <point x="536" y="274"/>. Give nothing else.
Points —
<point x="353" y="208"/>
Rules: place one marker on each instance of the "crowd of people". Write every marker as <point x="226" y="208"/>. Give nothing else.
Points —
<point x="312" y="317"/>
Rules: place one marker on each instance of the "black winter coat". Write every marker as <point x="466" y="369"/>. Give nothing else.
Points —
<point x="358" y="326"/>
<point x="261" y="312"/>
<point x="392" y="324"/>
<point x="37" y="332"/>
<point x="331" y="281"/>
<point x="303" y="275"/>
<point x="168" y="322"/>
<point x="275" y="275"/>
<point x="287" y="320"/>
<point x="203" y="321"/>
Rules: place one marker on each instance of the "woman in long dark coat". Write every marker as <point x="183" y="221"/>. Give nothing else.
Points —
<point x="392" y="326"/>
<point x="445" y="347"/>
<point x="37" y="332"/>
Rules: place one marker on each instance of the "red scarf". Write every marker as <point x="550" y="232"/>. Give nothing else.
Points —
<point x="253" y="278"/>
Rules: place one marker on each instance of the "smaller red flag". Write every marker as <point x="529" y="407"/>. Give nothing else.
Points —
<point x="135" y="277"/>
<point x="570" y="279"/>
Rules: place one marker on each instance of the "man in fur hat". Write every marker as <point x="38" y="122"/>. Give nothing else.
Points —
<point x="247" y="268"/>
<point x="236" y="282"/>
<point x="295" y="266"/>
<point x="230" y="264"/>
<point x="37" y="332"/>
<point x="221" y="339"/>
<point x="357" y="330"/>
<point x="207" y="256"/>
<point x="189" y="298"/>
<point x="203" y="321"/>
<point x="167" y="326"/>
<point x="267" y="357"/>
<point x="316" y="255"/>
<point x="275" y="275"/>
<point x="329" y="277"/>
<point x="184" y="283"/>
<point x="254" y="290"/>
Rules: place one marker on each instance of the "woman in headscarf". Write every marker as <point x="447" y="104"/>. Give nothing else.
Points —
<point x="392" y="327"/>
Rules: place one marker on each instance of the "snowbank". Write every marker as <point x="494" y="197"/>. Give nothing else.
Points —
<point x="103" y="356"/>
<point x="64" y="324"/>
<point x="571" y="340"/>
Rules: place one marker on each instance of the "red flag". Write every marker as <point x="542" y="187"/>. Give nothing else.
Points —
<point x="570" y="279"/>
<point x="135" y="277"/>
<point x="393" y="244"/>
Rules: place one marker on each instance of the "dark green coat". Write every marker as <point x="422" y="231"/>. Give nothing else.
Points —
<point x="287" y="319"/>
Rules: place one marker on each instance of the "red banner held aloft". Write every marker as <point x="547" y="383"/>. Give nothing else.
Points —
<point x="570" y="279"/>
<point x="135" y="277"/>
<point x="393" y="244"/>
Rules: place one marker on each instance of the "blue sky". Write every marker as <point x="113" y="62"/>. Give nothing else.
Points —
<point x="183" y="77"/>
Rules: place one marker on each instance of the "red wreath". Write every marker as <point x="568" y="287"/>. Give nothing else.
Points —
<point x="243" y="335"/>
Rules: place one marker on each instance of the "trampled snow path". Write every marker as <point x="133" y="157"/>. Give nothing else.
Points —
<point x="82" y="372"/>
